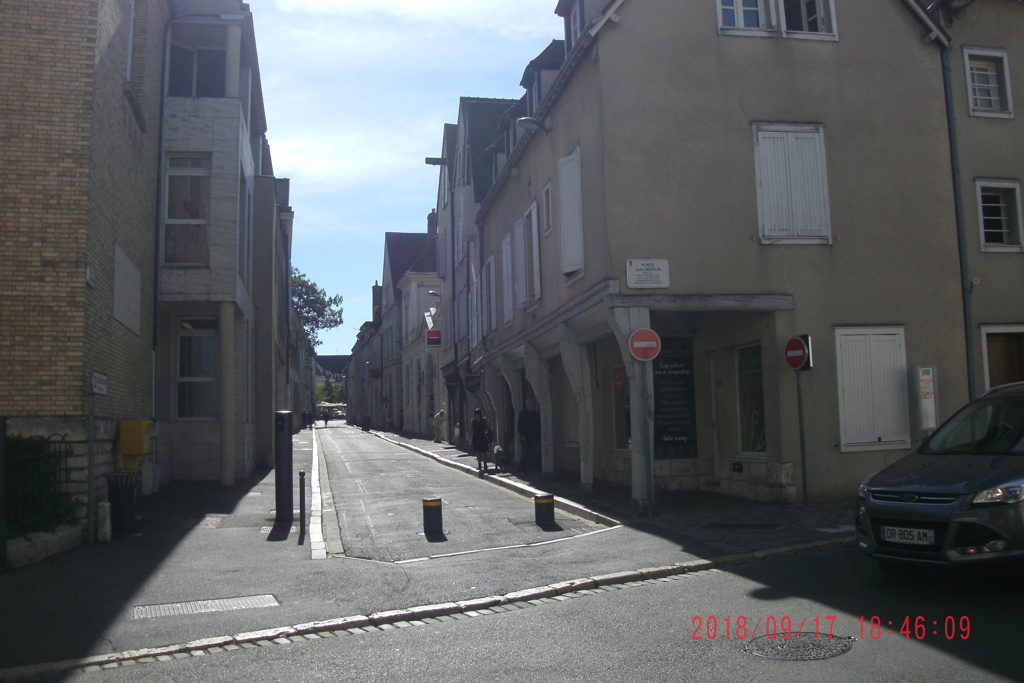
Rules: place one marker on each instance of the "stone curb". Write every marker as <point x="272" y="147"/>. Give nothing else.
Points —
<point x="424" y="611"/>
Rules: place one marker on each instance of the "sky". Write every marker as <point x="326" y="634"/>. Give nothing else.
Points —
<point x="357" y="93"/>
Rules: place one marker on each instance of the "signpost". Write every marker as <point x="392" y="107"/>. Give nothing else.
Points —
<point x="644" y="344"/>
<point x="798" y="357"/>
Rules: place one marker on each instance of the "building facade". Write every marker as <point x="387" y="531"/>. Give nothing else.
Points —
<point x="146" y="268"/>
<point x="758" y="183"/>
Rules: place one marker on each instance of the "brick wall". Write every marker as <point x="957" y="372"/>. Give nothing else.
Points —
<point x="80" y="170"/>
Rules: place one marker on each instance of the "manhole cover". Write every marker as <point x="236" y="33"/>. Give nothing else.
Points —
<point x="803" y="647"/>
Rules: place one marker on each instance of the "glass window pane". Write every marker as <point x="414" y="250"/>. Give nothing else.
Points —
<point x="198" y="399"/>
<point x="197" y="357"/>
<point x="186" y="244"/>
<point x="188" y="197"/>
<point x="751" y="400"/>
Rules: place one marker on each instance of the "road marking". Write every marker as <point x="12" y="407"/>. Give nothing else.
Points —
<point x="507" y="547"/>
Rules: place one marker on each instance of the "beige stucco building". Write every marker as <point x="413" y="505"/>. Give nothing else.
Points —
<point x="733" y="176"/>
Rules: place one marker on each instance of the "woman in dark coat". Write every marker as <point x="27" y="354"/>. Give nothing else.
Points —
<point x="481" y="436"/>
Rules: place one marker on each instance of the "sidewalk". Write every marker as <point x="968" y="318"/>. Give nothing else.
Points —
<point x="211" y="565"/>
<point x="723" y="525"/>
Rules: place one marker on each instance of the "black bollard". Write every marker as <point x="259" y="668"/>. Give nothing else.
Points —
<point x="283" y="466"/>
<point x="302" y="499"/>
<point x="432" y="525"/>
<point x="544" y="509"/>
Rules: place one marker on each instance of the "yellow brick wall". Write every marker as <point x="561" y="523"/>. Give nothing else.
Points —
<point x="79" y="177"/>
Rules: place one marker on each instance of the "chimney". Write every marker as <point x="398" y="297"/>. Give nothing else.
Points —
<point x="432" y="222"/>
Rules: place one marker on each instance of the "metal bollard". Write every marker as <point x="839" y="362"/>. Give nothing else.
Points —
<point x="544" y="509"/>
<point x="432" y="525"/>
<point x="302" y="499"/>
<point x="285" y="498"/>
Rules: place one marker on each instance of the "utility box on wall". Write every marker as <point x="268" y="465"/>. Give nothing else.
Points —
<point x="134" y="442"/>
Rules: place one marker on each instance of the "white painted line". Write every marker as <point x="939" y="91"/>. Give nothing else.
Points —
<point x="507" y="547"/>
<point x="317" y="546"/>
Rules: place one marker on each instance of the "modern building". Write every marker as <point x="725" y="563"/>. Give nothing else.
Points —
<point x="146" y="262"/>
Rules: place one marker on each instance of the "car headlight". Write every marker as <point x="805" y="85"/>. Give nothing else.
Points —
<point x="1001" y="494"/>
<point x="862" y="491"/>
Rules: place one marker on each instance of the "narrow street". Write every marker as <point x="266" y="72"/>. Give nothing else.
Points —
<point x="648" y="631"/>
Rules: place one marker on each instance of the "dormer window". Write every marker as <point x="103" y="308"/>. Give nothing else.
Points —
<point x="813" y="19"/>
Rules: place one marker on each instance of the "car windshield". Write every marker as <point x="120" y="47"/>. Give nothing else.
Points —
<point x="988" y="426"/>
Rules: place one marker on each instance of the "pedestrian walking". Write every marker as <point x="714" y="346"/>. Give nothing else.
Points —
<point x="481" y="437"/>
<point x="439" y="425"/>
<point x="528" y="427"/>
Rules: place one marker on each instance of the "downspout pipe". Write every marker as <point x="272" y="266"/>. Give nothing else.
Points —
<point x="961" y="234"/>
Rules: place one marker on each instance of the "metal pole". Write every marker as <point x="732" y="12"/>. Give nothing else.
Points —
<point x="3" y="493"/>
<point x="649" y="435"/>
<point x="285" y="497"/>
<point x="803" y="446"/>
<point x="90" y="501"/>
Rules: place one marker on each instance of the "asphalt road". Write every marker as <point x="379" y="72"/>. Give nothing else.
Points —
<point x="646" y="631"/>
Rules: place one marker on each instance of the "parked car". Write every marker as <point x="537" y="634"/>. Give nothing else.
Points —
<point x="958" y="499"/>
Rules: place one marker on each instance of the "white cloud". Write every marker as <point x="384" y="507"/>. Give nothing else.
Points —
<point x="518" y="19"/>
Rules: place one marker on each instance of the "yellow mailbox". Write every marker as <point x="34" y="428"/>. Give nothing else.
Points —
<point x="134" y="442"/>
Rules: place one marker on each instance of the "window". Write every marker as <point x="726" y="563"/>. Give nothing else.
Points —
<point x="531" y="254"/>
<point x="873" y="400"/>
<point x="999" y="215"/>
<point x="570" y="213"/>
<point x="547" y="209"/>
<point x="789" y="18"/>
<point x="808" y="16"/>
<point x="988" y="83"/>
<point x="744" y="14"/>
<point x="750" y="387"/>
<point x="198" y="389"/>
<point x="506" y="278"/>
<point x="197" y="72"/>
<point x="187" y="211"/>
<point x="792" y="184"/>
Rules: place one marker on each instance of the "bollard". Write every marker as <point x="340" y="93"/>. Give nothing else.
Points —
<point x="285" y="498"/>
<point x="432" y="525"/>
<point x="302" y="500"/>
<point x="544" y="509"/>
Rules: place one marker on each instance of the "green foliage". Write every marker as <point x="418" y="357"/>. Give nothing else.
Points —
<point x="34" y="499"/>
<point x="315" y="309"/>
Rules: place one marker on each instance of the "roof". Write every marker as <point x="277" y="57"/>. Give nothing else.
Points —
<point x="483" y="117"/>
<point x="550" y="59"/>
<point x="404" y="249"/>
<point x="333" y="364"/>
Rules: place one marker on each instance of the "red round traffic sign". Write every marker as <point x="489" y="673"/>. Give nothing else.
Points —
<point x="797" y="353"/>
<point x="644" y="344"/>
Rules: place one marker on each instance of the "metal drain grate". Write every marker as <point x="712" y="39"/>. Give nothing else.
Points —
<point x="203" y="606"/>
<point x="802" y="647"/>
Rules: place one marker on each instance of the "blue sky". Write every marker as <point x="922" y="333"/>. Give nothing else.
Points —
<point x="357" y="94"/>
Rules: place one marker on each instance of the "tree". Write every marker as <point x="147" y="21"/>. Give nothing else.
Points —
<point x="315" y="309"/>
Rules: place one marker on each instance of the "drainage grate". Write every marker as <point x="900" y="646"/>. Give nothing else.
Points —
<point x="801" y="647"/>
<point x="203" y="606"/>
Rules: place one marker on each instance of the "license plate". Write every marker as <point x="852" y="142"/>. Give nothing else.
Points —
<point x="895" y="534"/>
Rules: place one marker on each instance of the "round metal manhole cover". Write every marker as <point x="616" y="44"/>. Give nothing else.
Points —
<point x="802" y="647"/>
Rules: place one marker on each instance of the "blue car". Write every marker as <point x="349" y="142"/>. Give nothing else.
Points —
<point x="958" y="499"/>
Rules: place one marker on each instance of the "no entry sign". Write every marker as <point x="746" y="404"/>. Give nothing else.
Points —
<point x="798" y="352"/>
<point x="645" y="344"/>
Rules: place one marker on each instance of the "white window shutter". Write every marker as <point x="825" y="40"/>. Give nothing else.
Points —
<point x="808" y="185"/>
<point x="506" y="277"/>
<point x="570" y="206"/>
<point x="519" y="256"/>
<point x="772" y="167"/>
<point x="873" y="397"/>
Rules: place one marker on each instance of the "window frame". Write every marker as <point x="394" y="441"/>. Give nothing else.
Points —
<point x="826" y="8"/>
<point x="187" y="329"/>
<point x="766" y="18"/>
<point x="1001" y="59"/>
<point x="768" y="189"/>
<point x="1015" y="220"/>
<point x="170" y="173"/>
